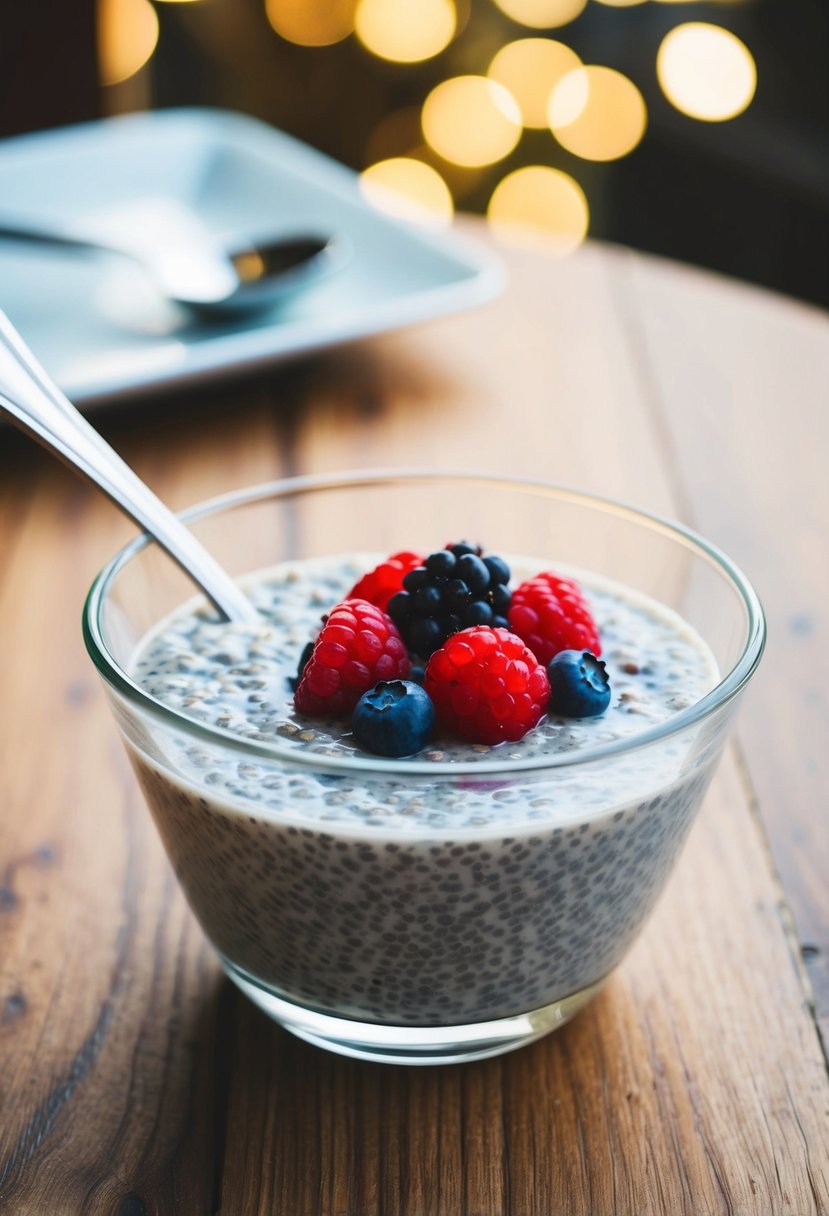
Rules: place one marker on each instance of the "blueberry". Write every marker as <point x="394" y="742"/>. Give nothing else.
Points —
<point x="307" y="651"/>
<point x="394" y="718"/>
<point x="579" y="687"/>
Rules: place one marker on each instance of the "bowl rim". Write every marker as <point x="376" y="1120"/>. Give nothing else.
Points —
<point x="729" y="686"/>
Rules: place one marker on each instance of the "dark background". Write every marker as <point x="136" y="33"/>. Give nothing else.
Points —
<point x="749" y="196"/>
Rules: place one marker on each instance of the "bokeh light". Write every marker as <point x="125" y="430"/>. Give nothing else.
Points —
<point x="597" y="113"/>
<point x="405" y="31"/>
<point x="408" y="189"/>
<point x="539" y="207"/>
<point x="706" y="71"/>
<point x="311" y="22"/>
<point x="622" y="3"/>
<point x="471" y="121"/>
<point x="127" y="37"/>
<point x="531" y="68"/>
<point x="541" y="14"/>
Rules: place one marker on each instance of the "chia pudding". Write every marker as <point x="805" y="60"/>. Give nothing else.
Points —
<point x="437" y="890"/>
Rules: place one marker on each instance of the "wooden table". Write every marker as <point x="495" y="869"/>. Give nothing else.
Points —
<point x="135" y="1080"/>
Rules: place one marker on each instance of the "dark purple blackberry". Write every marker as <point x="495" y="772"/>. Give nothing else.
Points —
<point x="454" y="588"/>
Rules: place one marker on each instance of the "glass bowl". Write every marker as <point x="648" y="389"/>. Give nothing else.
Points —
<point x="452" y="905"/>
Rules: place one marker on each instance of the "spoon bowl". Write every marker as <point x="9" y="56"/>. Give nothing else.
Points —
<point x="269" y="271"/>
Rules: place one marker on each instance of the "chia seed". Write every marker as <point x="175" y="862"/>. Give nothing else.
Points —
<point x="515" y="890"/>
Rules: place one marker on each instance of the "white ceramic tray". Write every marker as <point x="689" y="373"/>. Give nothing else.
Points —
<point x="98" y="327"/>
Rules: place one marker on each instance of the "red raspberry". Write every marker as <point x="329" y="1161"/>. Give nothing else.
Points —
<point x="358" y="646"/>
<point x="486" y="685"/>
<point x="551" y="614"/>
<point x="385" y="580"/>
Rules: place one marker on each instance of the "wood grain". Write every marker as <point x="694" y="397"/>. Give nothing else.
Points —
<point x="744" y="381"/>
<point x="648" y="1102"/>
<point x="133" y="1080"/>
<point x="106" y="1060"/>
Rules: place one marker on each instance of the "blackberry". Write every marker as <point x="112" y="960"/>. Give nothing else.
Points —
<point x="454" y="588"/>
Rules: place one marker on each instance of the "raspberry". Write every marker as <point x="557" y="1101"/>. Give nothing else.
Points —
<point x="358" y="646"/>
<point x="385" y="580"/>
<point x="551" y="614"/>
<point x="486" y="685"/>
<point x="454" y="588"/>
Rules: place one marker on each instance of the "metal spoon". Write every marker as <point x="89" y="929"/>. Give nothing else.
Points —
<point x="194" y="270"/>
<point x="34" y="403"/>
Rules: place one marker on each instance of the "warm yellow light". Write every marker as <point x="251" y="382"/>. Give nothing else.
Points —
<point x="311" y="22"/>
<point x="538" y="207"/>
<point x="706" y="71"/>
<point x="531" y="68"/>
<point x="471" y="121"/>
<point x="541" y="14"/>
<point x="408" y="189"/>
<point x="597" y="113"/>
<point x="621" y="3"/>
<point x="127" y="37"/>
<point x="405" y="31"/>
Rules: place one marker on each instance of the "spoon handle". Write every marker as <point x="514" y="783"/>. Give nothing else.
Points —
<point x="30" y="234"/>
<point x="36" y="405"/>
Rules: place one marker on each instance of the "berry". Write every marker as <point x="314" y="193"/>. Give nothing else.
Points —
<point x="551" y="614"/>
<point x="394" y="718"/>
<point x="450" y="590"/>
<point x="385" y="580"/>
<point x="579" y="687"/>
<point x="307" y="651"/>
<point x="486" y="685"/>
<point x="357" y="646"/>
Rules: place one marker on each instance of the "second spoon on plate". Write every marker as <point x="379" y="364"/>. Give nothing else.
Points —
<point x="194" y="270"/>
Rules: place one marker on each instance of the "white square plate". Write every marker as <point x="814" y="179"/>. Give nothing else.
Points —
<point x="104" y="337"/>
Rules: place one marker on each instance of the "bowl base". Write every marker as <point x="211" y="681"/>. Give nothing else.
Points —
<point x="388" y="1044"/>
